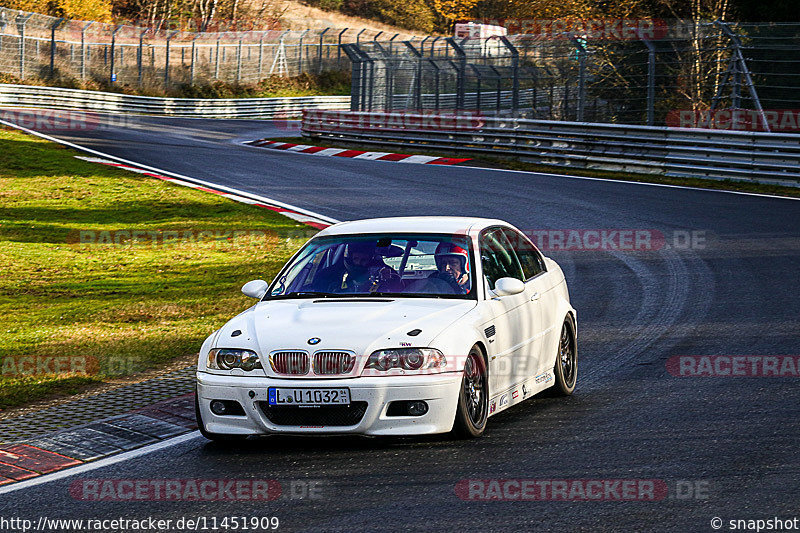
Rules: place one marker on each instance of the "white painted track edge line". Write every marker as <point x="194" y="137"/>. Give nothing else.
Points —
<point x="629" y="182"/>
<point x="100" y="463"/>
<point x="364" y="157"/>
<point x="196" y="181"/>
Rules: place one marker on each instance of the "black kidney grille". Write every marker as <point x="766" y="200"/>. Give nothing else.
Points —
<point x="331" y="363"/>
<point x="290" y="362"/>
<point x="335" y="415"/>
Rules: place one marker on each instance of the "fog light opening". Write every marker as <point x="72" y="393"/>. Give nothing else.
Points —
<point x="218" y="407"/>
<point x="417" y="408"/>
<point x="226" y="408"/>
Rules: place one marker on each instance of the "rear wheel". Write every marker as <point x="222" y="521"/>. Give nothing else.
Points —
<point x="566" y="367"/>
<point x="473" y="399"/>
<point x="216" y="437"/>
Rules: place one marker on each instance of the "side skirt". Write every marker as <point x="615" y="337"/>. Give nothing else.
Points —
<point x="520" y="392"/>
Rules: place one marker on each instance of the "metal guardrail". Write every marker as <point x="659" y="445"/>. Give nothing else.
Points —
<point x="74" y="99"/>
<point x="617" y="147"/>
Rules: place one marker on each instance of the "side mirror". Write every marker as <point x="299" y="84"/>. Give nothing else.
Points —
<point x="508" y="286"/>
<point x="255" y="289"/>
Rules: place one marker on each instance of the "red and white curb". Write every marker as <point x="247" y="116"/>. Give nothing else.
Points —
<point x="294" y="215"/>
<point x="356" y="154"/>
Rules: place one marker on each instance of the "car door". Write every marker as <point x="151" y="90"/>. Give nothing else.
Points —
<point x="514" y="320"/>
<point x="541" y="294"/>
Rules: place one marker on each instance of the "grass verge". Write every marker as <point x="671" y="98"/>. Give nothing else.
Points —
<point x="77" y="313"/>
<point x="511" y="163"/>
<point x="326" y="83"/>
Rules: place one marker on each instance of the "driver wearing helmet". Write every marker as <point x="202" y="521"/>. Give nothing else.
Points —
<point x="364" y="271"/>
<point x="451" y="262"/>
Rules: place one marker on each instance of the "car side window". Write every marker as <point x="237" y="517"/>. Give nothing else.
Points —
<point x="530" y="258"/>
<point x="498" y="258"/>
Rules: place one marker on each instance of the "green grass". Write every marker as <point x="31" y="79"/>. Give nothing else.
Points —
<point x="120" y="309"/>
<point x="480" y="159"/>
<point x="306" y="84"/>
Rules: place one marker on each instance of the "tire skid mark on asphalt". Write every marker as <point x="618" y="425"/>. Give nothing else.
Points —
<point x="659" y="310"/>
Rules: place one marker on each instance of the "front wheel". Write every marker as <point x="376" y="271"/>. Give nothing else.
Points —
<point x="566" y="367"/>
<point x="473" y="399"/>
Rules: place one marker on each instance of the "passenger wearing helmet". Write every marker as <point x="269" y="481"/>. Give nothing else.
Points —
<point x="451" y="264"/>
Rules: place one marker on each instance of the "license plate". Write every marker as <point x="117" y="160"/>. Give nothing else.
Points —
<point x="294" y="396"/>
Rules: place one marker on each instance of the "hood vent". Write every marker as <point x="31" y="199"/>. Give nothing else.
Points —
<point x="350" y="300"/>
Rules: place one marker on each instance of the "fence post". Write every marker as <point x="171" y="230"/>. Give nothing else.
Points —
<point x="478" y="87"/>
<point x="300" y="62"/>
<point x="83" y="49"/>
<point x="357" y="76"/>
<point x="319" y="52"/>
<point x="339" y="47"/>
<point x="460" y="74"/>
<point x="22" y="20"/>
<point x="514" y="73"/>
<point x="740" y="67"/>
<point x="436" y="90"/>
<point x="417" y="76"/>
<point x="433" y="44"/>
<point x="260" y="56"/>
<point x="358" y="36"/>
<point x="499" y="87"/>
<point x="581" y="76"/>
<point x="166" y="58"/>
<point x="422" y="44"/>
<point x="194" y="53"/>
<point x="239" y="63"/>
<point x="391" y="42"/>
<point x="53" y="29"/>
<point x="374" y="39"/>
<point x="3" y="23"/>
<point x="140" y="57"/>
<point x="111" y="76"/>
<point x="651" y="78"/>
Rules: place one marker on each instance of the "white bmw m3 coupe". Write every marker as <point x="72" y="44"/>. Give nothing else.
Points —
<point x="392" y="326"/>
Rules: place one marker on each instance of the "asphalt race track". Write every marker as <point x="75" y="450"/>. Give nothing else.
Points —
<point x="724" y="447"/>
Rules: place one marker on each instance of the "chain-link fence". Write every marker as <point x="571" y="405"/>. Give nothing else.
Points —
<point x="684" y="75"/>
<point x="39" y="46"/>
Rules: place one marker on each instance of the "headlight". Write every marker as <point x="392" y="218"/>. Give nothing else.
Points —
<point x="406" y="358"/>
<point x="227" y="359"/>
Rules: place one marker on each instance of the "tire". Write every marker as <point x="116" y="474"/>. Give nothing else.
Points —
<point x="566" y="367"/>
<point x="216" y="437"/>
<point x="473" y="398"/>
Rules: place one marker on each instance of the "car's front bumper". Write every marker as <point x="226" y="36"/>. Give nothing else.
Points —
<point x="439" y="391"/>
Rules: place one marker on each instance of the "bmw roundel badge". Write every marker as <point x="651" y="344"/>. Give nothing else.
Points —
<point x="314" y="340"/>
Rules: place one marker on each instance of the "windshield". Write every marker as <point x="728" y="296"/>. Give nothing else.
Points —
<point x="439" y="266"/>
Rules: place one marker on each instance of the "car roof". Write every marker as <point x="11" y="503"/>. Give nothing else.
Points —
<point x="420" y="224"/>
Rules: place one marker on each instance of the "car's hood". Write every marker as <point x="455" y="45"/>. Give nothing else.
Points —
<point x="361" y="325"/>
